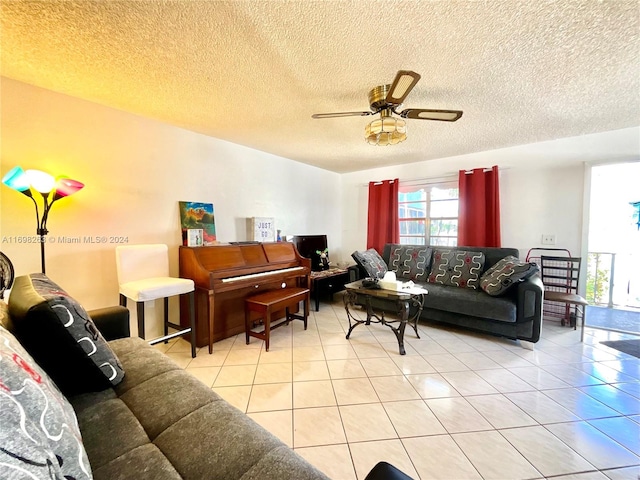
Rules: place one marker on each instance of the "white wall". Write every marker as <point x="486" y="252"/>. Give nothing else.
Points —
<point x="135" y="171"/>
<point x="541" y="186"/>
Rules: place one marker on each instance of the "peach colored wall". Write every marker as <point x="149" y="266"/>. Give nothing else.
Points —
<point x="136" y="170"/>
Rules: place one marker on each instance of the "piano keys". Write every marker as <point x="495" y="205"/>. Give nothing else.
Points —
<point x="261" y="275"/>
<point x="224" y="275"/>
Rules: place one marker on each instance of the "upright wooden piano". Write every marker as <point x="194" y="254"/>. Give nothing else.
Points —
<point x="225" y="275"/>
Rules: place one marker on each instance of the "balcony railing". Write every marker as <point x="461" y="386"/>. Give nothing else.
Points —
<point x="613" y="279"/>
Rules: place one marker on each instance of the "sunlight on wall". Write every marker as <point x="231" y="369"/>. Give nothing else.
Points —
<point x="135" y="172"/>
<point x="613" y="188"/>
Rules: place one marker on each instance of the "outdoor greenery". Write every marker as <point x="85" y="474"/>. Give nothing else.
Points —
<point x="597" y="280"/>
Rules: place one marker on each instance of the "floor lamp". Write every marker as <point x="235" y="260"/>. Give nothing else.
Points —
<point x="50" y="189"/>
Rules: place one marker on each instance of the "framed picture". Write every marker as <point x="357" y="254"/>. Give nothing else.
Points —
<point x="195" y="237"/>
<point x="198" y="216"/>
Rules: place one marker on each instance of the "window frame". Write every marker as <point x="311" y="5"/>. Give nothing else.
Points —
<point x="427" y="237"/>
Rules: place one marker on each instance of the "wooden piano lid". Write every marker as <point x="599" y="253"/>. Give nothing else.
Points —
<point x="222" y="257"/>
<point x="280" y="251"/>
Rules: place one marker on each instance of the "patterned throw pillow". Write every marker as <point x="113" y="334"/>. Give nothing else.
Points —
<point x="61" y="336"/>
<point x="506" y="273"/>
<point x="372" y="262"/>
<point x="39" y="437"/>
<point x="457" y="268"/>
<point x="410" y="262"/>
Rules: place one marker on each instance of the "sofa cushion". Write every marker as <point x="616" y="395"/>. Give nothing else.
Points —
<point x="61" y="336"/>
<point x="146" y="462"/>
<point x="142" y="364"/>
<point x="179" y="427"/>
<point x="279" y="463"/>
<point x="229" y="462"/>
<point x="372" y="263"/>
<point x="411" y="262"/>
<point x="164" y="399"/>
<point x="468" y="301"/>
<point x="456" y="268"/>
<point x="109" y="430"/>
<point x="40" y="437"/>
<point x="503" y="275"/>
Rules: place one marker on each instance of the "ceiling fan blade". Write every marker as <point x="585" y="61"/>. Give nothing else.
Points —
<point x="402" y="85"/>
<point x="426" y="114"/>
<point x="341" y="114"/>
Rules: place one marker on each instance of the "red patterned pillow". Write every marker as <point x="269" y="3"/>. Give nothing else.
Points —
<point x="456" y="268"/>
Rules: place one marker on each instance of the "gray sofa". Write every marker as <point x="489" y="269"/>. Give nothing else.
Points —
<point x="517" y="314"/>
<point x="158" y="422"/>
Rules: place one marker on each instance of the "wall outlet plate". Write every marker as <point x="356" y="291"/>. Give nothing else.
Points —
<point x="548" y="239"/>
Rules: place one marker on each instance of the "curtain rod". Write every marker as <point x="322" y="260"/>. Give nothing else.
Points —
<point x="449" y="176"/>
<point x="441" y="178"/>
<point x="487" y="169"/>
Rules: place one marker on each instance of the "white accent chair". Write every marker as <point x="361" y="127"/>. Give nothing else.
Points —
<point x="143" y="275"/>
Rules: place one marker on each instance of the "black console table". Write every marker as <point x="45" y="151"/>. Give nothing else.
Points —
<point x="327" y="282"/>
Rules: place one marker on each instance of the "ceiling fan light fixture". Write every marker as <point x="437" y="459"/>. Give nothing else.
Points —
<point x="386" y="131"/>
<point x="385" y="100"/>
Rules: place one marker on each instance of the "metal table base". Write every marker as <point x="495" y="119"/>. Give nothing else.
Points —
<point x="405" y="306"/>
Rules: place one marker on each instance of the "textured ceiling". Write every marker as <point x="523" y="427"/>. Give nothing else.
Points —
<point x="253" y="72"/>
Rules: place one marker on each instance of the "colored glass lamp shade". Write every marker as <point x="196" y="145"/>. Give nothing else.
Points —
<point x="40" y="181"/>
<point x="65" y="187"/>
<point x="17" y="179"/>
<point x="387" y="130"/>
<point x="43" y="183"/>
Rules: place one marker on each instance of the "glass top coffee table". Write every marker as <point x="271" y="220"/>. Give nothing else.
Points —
<point x="408" y="303"/>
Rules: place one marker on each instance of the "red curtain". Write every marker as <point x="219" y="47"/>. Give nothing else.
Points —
<point x="382" y="224"/>
<point x="479" y="208"/>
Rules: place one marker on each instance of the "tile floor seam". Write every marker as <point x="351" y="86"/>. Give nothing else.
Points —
<point x="636" y="453"/>
<point x="559" y="475"/>
<point x="595" y="399"/>
<point x="471" y="461"/>
<point x="253" y="383"/>
<point x="353" y="463"/>
<point x="569" y="446"/>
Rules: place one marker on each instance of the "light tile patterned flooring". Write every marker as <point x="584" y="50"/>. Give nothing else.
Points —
<point x="459" y="405"/>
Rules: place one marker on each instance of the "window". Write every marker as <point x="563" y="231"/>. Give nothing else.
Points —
<point x="428" y="214"/>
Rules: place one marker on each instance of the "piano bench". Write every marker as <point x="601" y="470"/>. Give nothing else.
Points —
<point x="271" y="301"/>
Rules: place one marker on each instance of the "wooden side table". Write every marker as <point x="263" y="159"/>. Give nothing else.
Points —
<point x="327" y="282"/>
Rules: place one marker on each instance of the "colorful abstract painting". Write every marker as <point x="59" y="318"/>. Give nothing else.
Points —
<point x="198" y="215"/>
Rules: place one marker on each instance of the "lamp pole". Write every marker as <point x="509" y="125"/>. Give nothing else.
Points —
<point x="42" y="225"/>
<point x="42" y="232"/>
<point x="42" y="253"/>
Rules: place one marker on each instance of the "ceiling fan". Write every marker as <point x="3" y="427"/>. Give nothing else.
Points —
<point x="385" y="100"/>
